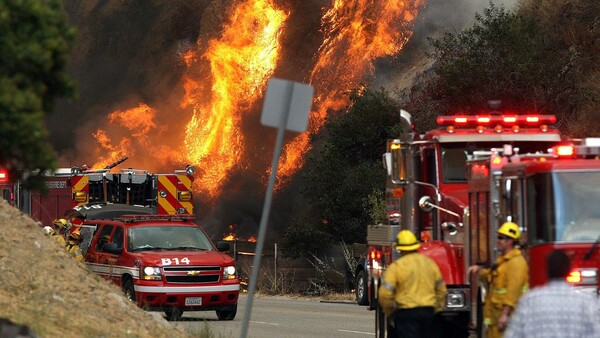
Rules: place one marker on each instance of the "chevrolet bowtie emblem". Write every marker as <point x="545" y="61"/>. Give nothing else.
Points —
<point x="193" y="273"/>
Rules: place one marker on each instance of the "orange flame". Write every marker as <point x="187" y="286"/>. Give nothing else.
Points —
<point x="356" y="33"/>
<point x="231" y="236"/>
<point x="241" y="62"/>
<point x="136" y="124"/>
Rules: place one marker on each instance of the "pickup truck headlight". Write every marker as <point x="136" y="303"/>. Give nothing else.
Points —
<point x="229" y="272"/>
<point x="151" y="273"/>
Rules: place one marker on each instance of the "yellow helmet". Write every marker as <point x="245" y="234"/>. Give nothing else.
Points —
<point x="60" y="223"/>
<point x="406" y="241"/>
<point x="511" y="230"/>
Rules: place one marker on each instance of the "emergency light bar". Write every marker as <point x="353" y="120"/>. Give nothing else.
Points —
<point x="503" y="120"/>
<point x="143" y="218"/>
<point x="3" y="176"/>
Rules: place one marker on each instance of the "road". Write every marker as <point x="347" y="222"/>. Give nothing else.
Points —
<point x="287" y="317"/>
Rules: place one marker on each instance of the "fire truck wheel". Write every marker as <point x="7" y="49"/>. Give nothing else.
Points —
<point x="228" y="314"/>
<point x="361" y="285"/>
<point x="129" y="290"/>
<point x="173" y="314"/>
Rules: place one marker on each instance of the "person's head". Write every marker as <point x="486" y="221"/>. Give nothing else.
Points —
<point x="47" y="230"/>
<point x="406" y="241"/>
<point x="508" y="235"/>
<point x="558" y="265"/>
<point x="60" y="224"/>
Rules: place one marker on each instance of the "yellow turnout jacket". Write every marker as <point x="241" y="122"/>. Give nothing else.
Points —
<point x="413" y="280"/>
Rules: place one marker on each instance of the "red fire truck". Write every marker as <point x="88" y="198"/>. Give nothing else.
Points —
<point x="80" y="188"/>
<point x="551" y="195"/>
<point x="427" y="186"/>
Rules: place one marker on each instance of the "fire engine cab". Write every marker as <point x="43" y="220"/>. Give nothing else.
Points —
<point x="552" y="195"/>
<point x="427" y="192"/>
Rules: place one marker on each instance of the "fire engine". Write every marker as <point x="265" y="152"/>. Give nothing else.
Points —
<point x="427" y="193"/>
<point x="83" y="188"/>
<point x="551" y="194"/>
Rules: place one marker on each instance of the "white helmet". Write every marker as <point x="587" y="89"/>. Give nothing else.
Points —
<point x="47" y="229"/>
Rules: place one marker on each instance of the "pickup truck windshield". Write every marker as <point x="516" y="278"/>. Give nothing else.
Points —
<point x="166" y="237"/>
<point x="563" y="207"/>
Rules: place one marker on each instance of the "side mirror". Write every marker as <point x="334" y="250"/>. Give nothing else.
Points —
<point x="223" y="246"/>
<point x="398" y="162"/>
<point x="112" y="248"/>
<point x="426" y="203"/>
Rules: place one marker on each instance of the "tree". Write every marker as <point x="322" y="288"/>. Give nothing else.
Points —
<point x="34" y="42"/>
<point x="344" y="176"/>
<point x="504" y="56"/>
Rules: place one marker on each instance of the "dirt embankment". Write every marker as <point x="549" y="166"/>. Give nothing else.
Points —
<point x="44" y="288"/>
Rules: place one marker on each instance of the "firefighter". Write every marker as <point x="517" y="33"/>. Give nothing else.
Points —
<point x="412" y="289"/>
<point x="507" y="280"/>
<point x="74" y="240"/>
<point x="60" y="230"/>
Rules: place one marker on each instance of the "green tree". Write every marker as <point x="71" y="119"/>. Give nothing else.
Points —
<point x="34" y="42"/>
<point x="344" y="176"/>
<point x="304" y="237"/>
<point x="505" y="56"/>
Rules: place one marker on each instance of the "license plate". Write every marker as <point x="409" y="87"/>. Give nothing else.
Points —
<point x="193" y="301"/>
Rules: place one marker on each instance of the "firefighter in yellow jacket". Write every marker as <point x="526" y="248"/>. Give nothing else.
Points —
<point x="60" y="230"/>
<point x="74" y="240"/>
<point x="507" y="280"/>
<point x="412" y="289"/>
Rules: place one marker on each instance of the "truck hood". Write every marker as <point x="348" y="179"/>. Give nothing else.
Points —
<point x="183" y="258"/>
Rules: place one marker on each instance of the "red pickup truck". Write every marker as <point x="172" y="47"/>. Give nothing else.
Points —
<point x="162" y="262"/>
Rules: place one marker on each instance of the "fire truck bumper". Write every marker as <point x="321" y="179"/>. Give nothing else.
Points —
<point x="190" y="298"/>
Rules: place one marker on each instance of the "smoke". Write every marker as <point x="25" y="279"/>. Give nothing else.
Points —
<point x="127" y="54"/>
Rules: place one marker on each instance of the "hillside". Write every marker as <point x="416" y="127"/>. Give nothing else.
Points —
<point x="46" y="289"/>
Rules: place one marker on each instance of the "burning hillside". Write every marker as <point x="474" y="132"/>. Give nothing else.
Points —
<point x="207" y="115"/>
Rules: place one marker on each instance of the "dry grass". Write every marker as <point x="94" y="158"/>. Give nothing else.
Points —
<point x="45" y="289"/>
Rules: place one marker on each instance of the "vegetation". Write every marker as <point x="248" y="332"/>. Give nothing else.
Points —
<point x="345" y="179"/>
<point x="34" y="42"/>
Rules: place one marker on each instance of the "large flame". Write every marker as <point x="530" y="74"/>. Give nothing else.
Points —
<point x="356" y="33"/>
<point x="130" y="125"/>
<point x="241" y="62"/>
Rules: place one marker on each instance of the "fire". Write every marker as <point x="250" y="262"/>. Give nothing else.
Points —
<point x="131" y="125"/>
<point x="241" y="61"/>
<point x="238" y="64"/>
<point x="356" y="33"/>
<point x="231" y="236"/>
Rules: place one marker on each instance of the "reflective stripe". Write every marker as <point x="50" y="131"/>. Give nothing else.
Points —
<point x="500" y="290"/>
<point x="184" y="289"/>
<point x="388" y="286"/>
<point x="487" y="321"/>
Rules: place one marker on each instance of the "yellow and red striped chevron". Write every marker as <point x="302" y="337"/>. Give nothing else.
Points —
<point x="172" y="185"/>
<point x="80" y="183"/>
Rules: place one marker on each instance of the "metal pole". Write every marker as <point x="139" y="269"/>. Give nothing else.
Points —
<point x="265" y="213"/>
<point x="275" y="268"/>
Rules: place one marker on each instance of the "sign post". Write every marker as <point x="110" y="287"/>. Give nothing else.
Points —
<point x="286" y="107"/>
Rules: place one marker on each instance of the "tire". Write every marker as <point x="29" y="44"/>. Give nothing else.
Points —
<point x="361" y="285"/>
<point x="173" y="314"/>
<point x="129" y="290"/>
<point x="228" y="314"/>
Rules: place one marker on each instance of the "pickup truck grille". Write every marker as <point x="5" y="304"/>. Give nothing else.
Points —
<point x="192" y="274"/>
